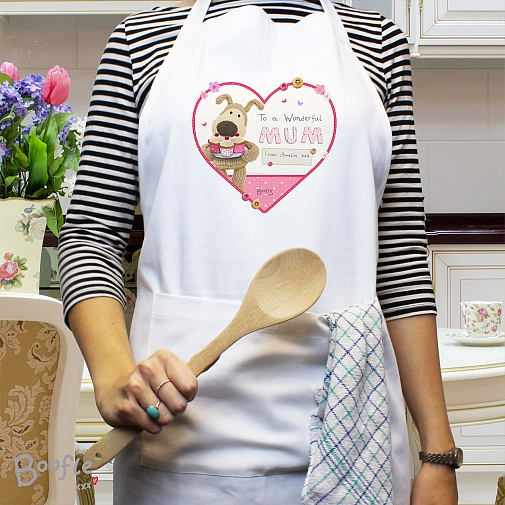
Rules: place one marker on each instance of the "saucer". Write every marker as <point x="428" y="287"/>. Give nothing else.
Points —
<point x="463" y="338"/>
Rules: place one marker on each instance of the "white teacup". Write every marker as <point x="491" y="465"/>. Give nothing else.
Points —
<point x="481" y="319"/>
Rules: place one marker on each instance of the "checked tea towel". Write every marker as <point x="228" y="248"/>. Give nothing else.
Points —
<point x="350" y="460"/>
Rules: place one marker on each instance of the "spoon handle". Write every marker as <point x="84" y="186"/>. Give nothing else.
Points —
<point x="112" y="443"/>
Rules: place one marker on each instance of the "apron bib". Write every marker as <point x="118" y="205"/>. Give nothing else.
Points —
<point x="256" y="137"/>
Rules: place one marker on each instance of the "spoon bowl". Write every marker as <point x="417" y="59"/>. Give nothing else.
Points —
<point x="287" y="285"/>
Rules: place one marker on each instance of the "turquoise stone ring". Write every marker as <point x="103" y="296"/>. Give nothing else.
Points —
<point x="153" y="412"/>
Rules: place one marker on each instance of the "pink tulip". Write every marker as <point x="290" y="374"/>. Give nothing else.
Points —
<point x="10" y="70"/>
<point x="56" y="87"/>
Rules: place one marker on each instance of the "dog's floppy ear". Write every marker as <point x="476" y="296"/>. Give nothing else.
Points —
<point x="226" y="97"/>
<point x="254" y="102"/>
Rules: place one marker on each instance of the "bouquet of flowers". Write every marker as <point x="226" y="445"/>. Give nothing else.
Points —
<point x="40" y="138"/>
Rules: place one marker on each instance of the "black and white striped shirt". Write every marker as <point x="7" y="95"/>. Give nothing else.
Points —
<point x="98" y="224"/>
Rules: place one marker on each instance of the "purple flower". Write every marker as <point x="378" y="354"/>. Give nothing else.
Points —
<point x="10" y="101"/>
<point x="62" y="136"/>
<point x="4" y="151"/>
<point x="43" y="112"/>
<point x="30" y="88"/>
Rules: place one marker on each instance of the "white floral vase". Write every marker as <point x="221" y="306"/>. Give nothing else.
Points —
<point x="22" y="228"/>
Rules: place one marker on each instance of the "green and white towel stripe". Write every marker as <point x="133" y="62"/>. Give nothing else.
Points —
<point x="350" y="461"/>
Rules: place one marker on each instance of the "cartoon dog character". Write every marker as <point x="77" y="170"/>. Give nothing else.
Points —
<point x="227" y="148"/>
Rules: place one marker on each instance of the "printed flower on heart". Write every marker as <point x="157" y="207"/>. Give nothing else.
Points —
<point x="320" y="89"/>
<point x="203" y="95"/>
<point x="214" y="86"/>
<point x="8" y="270"/>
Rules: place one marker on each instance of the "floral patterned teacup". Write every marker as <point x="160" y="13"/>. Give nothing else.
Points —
<point x="482" y="319"/>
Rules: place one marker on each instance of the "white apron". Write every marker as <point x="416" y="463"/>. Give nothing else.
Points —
<point x="256" y="137"/>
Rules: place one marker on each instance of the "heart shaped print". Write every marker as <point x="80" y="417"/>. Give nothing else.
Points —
<point x="94" y="480"/>
<point x="264" y="147"/>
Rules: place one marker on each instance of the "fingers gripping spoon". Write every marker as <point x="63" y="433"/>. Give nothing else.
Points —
<point x="287" y="285"/>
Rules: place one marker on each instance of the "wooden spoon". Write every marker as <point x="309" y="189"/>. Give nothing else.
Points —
<point x="287" y="285"/>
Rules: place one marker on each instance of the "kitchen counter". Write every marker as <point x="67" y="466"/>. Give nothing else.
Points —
<point x="474" y="380"/>
<point x="440" y="229"/>
<point x="465" y="228"/>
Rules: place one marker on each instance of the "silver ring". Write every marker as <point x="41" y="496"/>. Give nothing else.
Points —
<point x="159" y="387"/>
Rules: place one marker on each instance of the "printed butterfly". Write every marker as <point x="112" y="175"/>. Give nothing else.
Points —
<point x="300" y="103"/>
<point x="204" y="124"/>
<point x="284" y="101"/>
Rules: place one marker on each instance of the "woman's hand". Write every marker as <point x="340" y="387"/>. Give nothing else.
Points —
<point x="435" y="484"/>
<point x="122" y="390"/>
<point x="123" y="399"/>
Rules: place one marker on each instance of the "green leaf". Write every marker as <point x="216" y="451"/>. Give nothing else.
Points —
<point x="71" y="161"/>
<point x="10" y="134"/>
<point x="62" y="118"/>
<point x="5" y="77"/>
<point x="54" y="167"/>
<point x="10" y="180"/>
<point x="57" y="182"/>
<point x="40" y="194"/>
<point x="50" y="137"/>
<point x="37" y="160"/>
<point x="54" y="217"/>
<point x="16" y="283"/>
<point x="20" y="157"/>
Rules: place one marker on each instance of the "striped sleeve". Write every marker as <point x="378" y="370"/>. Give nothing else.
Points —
<point x="98" y="224"/>
<point x="404" y="283"/>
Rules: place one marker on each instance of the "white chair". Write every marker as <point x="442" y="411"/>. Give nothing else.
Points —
<point x="40" y="377"/>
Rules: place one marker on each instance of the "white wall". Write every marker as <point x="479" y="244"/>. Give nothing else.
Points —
<point x="459" y="105"/>
<point x="460" y="120"/>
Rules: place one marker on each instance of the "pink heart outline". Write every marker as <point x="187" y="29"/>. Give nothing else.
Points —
<point x="245" y="195"/>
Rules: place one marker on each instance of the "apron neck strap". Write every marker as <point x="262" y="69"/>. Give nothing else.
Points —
<point x="193" y="22"/>
<point x="196" y="16"/>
